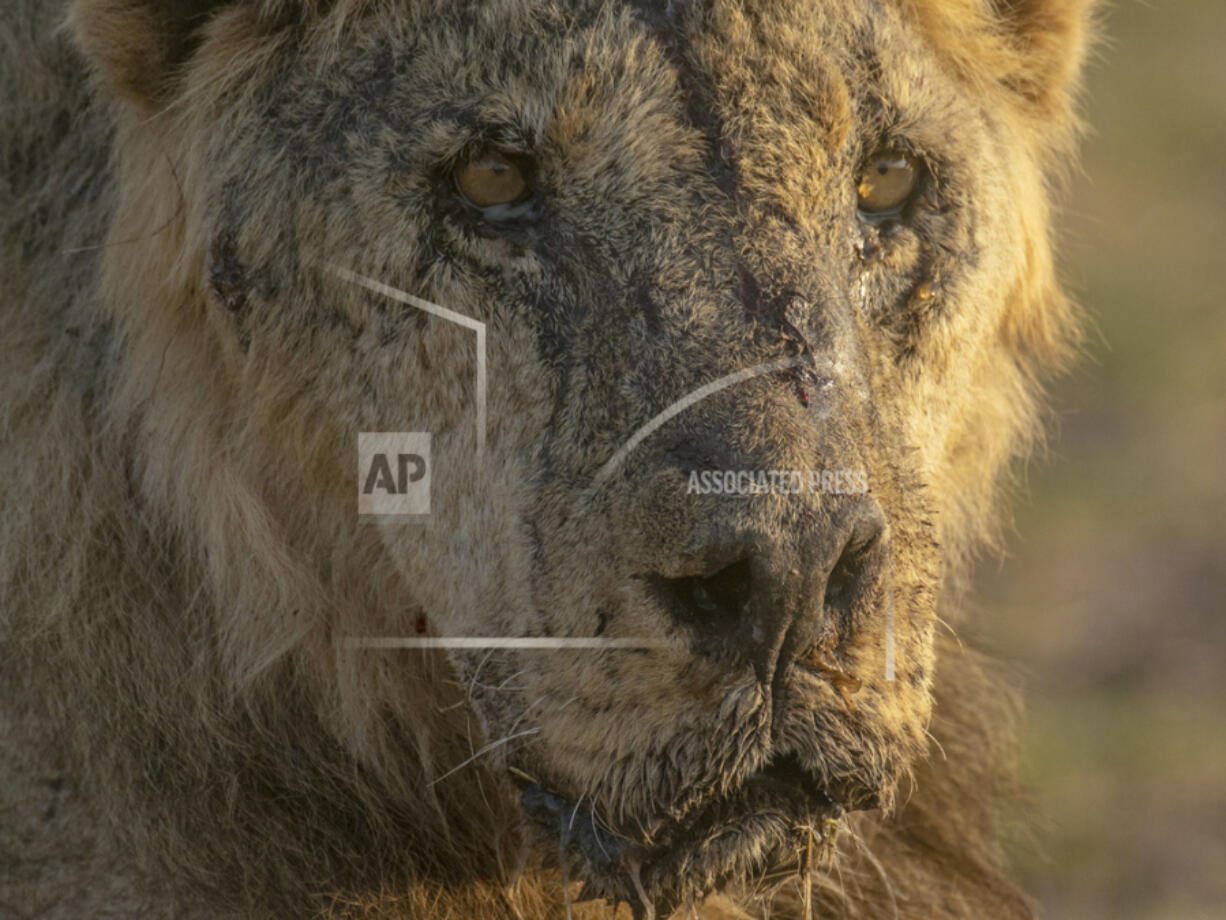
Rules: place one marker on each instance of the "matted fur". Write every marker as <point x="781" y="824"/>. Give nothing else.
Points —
<point x="183" y="382"/>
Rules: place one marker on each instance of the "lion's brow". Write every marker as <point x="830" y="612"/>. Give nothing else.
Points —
<point x="664" y="20"/>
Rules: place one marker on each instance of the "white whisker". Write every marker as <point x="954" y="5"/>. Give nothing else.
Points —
<point x="484" y="750"/>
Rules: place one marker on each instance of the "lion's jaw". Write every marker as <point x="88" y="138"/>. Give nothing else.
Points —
<point x="786" y="685"/>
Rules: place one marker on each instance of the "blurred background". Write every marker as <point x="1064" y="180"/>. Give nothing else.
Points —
<point x="1112" y="601"/>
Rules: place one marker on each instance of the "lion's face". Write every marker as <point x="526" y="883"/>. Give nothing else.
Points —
<point x="701" y="237"/>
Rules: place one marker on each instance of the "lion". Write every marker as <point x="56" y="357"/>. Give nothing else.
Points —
<point x="726" y="321"/>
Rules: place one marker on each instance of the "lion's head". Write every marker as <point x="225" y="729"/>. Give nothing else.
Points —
<point x="762" y="292"/>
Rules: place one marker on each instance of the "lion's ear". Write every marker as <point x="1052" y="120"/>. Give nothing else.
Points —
<point x="1034" y="48"/>
<point x="138" y="47"/>
<point x="1048" y="38"/>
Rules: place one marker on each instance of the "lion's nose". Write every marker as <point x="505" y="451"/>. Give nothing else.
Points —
<point x="750" y="596"/>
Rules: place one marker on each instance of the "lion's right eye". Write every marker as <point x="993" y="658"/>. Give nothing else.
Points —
<point x="887" y="183"/>
<point x="491" y="179"/>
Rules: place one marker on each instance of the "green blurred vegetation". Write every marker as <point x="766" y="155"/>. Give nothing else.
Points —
<point x="1114" y="598"/>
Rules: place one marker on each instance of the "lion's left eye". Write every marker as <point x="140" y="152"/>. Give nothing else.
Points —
<point x="491" y="179"/>
<point x="888" y="181"/>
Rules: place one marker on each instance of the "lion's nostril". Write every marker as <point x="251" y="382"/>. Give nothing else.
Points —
<point x="703" y="599"/>
<point x="852" y="571"/>
<point x="840" y="586"/>
<point x="715" y="603"/>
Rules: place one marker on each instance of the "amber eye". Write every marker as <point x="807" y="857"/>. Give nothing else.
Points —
<point x="490" y="179"/>
<point x="887" y="182"/>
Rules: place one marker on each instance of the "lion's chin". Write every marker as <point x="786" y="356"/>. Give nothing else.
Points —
<point x="764" y="828"/>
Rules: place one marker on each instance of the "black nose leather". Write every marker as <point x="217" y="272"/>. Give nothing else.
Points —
<point x="749" y="597"/>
